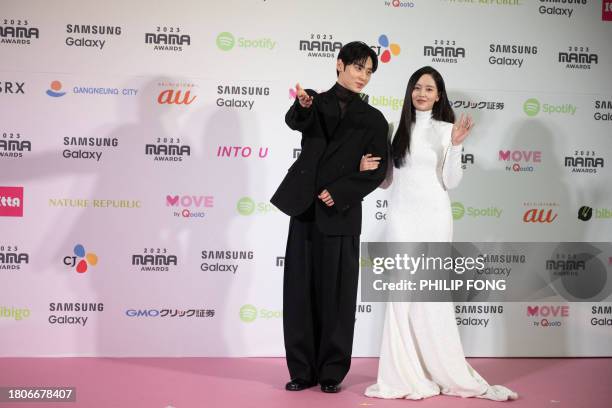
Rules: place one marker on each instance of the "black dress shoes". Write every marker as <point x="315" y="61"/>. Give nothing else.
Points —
<point x="330" y="386"/>
<point x="298" y="385"/>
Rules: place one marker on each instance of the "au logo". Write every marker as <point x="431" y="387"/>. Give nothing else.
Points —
<point x="175" y="97"/>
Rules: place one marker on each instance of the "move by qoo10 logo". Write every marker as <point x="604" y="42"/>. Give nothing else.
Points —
<point x="520" y="160"/>
<point x="548" y="315"/>
<point x="192" y="205"/>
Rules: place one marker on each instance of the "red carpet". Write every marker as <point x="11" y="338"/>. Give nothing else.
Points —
<point x="259" y="382"/>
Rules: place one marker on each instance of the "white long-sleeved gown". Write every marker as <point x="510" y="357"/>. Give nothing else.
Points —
<point x="421" y="353"/>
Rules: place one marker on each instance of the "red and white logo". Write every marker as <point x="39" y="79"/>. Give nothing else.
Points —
<point x="606" y="10"/>
<point x="540" y="215"/>
<point x="11" y="201"/>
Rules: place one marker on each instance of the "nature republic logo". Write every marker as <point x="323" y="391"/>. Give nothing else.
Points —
<point x="225" y="41"/>
<point x="531" y="107"/>
<point x="390" y="48"/>
<point x="248" y="313"/>
<point x="81" y="259"/>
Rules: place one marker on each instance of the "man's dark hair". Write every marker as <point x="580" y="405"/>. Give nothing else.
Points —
<point x="357" y="52"/>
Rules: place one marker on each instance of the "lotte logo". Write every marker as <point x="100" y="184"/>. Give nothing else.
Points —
<point x="11" y="201"/>
<point x="175" y="97"/>
<point x="606" y="10"/>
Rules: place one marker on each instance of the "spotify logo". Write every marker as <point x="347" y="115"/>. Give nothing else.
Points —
<point x="531" y="107"/>
<point x="245" y="206"/>
<point x="225" y="41"/>
<point x="458" y="210"/>
<point x="248" y="313"/>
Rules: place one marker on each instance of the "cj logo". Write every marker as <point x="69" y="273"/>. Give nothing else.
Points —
<point x="81" y="260"/>
<point x="585" y="213"/>
<point x="391" y="48"/>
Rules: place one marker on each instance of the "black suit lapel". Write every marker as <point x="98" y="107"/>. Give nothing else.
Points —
<point x="352" y="119"/>
<point x="328" y="107"/>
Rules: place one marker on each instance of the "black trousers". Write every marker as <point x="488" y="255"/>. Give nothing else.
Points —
<point x="319" y="296"/>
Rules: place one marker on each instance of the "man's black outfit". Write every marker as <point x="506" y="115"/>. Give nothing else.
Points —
<point x="322" y="255"/>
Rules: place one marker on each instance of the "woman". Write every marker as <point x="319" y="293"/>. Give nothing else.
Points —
<point x="421" y="353"/>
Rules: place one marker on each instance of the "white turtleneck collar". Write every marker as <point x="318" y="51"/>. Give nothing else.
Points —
<point x="422" y="118"/>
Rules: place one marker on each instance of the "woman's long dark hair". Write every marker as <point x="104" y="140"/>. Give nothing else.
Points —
<point x="441" y="110"/>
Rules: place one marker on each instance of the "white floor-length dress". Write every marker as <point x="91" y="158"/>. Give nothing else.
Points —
<point x="421" y="353"/>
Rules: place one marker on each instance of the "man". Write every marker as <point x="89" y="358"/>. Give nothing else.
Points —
<point x="322" y="192"/>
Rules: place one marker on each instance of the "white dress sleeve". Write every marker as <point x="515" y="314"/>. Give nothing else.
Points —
<point x="452" y="172"/>
<point x="389" y="173"/>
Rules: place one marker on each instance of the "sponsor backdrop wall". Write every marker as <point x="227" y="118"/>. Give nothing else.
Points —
<point x="141" y="141"/>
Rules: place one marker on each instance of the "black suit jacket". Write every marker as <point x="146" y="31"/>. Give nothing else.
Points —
<point x="331" y="151"/>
